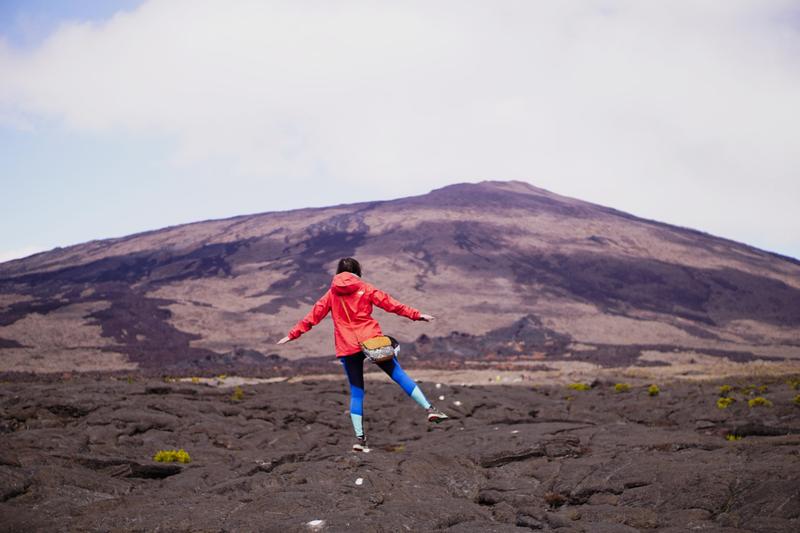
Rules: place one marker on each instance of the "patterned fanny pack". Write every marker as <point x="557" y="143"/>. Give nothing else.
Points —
<point x="380" y="349"/>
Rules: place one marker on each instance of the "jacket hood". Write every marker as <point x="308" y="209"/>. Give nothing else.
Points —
<point x="346" y="283"/>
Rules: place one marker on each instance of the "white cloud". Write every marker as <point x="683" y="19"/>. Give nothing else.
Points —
<point x="681" y="111"/>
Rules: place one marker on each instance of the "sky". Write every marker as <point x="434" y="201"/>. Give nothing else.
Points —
<point x="123" y="116"/>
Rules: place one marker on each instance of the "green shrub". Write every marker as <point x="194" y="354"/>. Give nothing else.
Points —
<point x="579" y="386"/>
<point x="724" y="390"/>
<point x="724" y="402"/>
<point x="759" y="401"/>
<point x="732" y="436"/>
<point x="797" y="399"/>
<point x="749" y="390"/>
<point x="169" y="456"/>
<point x="622" y="387"/>
<point x="794" y="383"/>
<point x="238" y="394"/>
<point x="653" y="390"/>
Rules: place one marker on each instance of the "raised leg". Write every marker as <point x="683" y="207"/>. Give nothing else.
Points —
<point x="399" y="375"/>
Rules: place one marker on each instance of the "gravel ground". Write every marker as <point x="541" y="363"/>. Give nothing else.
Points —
<point x="77" y="455"/>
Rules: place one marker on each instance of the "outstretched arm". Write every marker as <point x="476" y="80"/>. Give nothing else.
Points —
<point x="387" y="303"/>
<point x="317" y="313"/>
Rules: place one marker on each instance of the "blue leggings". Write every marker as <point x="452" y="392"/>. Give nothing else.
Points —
<point x="354" y="368"/>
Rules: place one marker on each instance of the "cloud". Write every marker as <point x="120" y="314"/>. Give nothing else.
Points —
<point x="682" y="111"/>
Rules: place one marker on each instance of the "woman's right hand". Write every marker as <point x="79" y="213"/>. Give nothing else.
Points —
<point x="426" y="318"/>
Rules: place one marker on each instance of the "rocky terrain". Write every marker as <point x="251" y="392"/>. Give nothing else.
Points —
<point x="77" y="455"/>
<point x="511" y="272"/>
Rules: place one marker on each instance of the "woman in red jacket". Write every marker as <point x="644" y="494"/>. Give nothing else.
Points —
<point x="350" y="301"/>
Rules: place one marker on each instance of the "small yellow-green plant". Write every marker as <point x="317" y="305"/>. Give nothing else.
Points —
<point x="732" y="436"/>
<point x="222" y="376"/>
<point x="759" y="401"/>
<point x="622" y="387"/>
<point x="724" y="390"/>
<point x="169" y="456"/>
<point x="579" y="386"/>
<point x="238" y="394"/>
<point x="794" y="383"/>
<point x="749" y="390"/>
<point x="195" y="379"/>
<point x="653" y="390"/>
<point x="129" y="379"/>
<point x="724" y="402"/>
<point x="797" y="400"/>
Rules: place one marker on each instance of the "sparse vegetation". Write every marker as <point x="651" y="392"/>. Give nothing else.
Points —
<point x="622" y="387"/>
<point x="724" y="402"/>
<point x="797" y="400"/>
<point x="170" y="456"/>
<point x="579" y="386"/>
<point x="555" y="499"/>
<point x="733" y="436"/>
<point x="749" y="390"/>
<point x="724" y="390"/>
<point x="759" y="401"/>
<point x="238" y="394"/>
<point x="195" y="379"/>
<point x="222" y="376"/>
<point x="653" y="390"/>
<point x="794" y="383"/>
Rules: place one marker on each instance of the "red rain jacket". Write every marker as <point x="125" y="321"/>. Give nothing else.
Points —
<point x="358" y="296"/>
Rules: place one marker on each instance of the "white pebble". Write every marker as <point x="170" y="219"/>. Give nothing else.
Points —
<point x="316" y="525"/>
<point x="457" y="403"/>
<point x="360" y="481"/>
<point x="515" y="432"/>
<point x="438" y="385"/>
<point x="441" y="398"/>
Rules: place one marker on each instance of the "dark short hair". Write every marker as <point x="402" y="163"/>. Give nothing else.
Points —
<point x="348" y="264"/>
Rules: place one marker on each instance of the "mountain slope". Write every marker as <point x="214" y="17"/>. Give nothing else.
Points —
<point x="508" y="269"/>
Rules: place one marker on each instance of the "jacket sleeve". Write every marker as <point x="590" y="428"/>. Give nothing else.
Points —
<point x="387" y="303"/>
<point x="317" y="313"/>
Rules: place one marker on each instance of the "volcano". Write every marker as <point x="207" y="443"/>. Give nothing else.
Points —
<point x="510" y="271"/>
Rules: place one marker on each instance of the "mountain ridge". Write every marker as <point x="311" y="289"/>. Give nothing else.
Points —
<point x="526" y="272"/>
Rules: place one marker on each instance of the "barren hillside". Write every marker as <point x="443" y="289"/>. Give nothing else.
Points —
<point x="509" y="270"/>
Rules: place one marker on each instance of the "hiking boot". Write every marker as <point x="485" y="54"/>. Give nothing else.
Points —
<point x="435" y="415"/>
<point x="360" y="445"/>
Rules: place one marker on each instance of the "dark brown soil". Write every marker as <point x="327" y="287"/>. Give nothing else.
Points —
<point x="77" y="456"/>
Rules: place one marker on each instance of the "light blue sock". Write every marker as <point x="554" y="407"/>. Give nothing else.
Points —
<point x="357" y="424"/>
<point x="420" y="398"/>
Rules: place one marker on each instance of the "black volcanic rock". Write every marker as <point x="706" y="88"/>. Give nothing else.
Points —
<point x="510" y="459"/>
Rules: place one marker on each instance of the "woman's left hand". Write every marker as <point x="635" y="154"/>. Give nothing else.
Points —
<point x="284" y="340"/>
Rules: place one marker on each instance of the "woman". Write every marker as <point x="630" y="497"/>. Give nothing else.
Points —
<point x="350" y="302"/>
